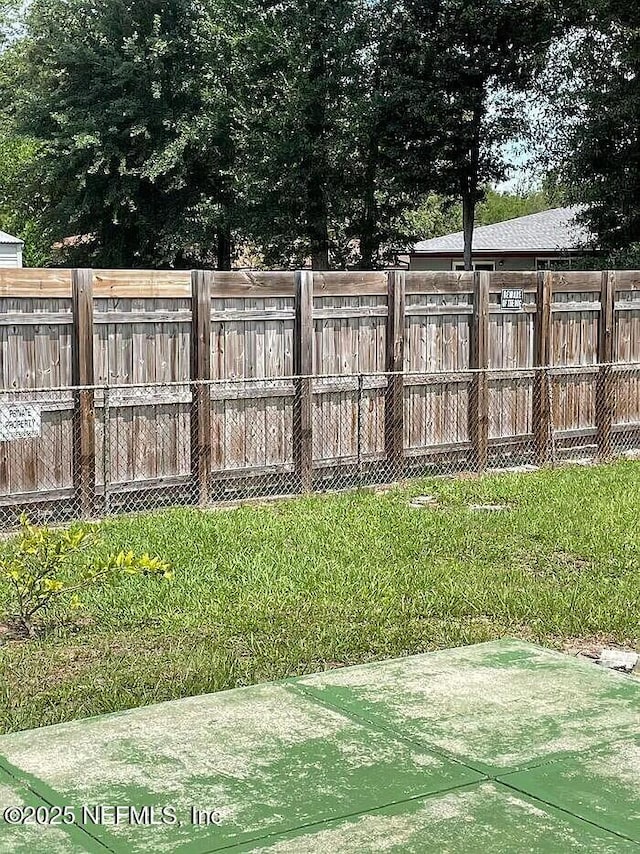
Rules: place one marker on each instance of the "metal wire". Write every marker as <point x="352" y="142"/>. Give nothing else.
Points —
<point x="69" y="453"/>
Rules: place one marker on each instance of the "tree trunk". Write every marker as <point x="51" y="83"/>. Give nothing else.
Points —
<point x="224" y="247"/>
<point x="119" y="244"/>
<point x="468" y="218"/>
<point x="369" y="235"/>
<point x="320" y="259"/>
<point x="317" y="222"/>
<point x="316" y="141"/>
<point x="469" y="189"/>
<point x="369" y="242"/>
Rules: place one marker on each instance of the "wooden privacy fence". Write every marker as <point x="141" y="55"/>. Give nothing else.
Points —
<point x="149" y="380"/>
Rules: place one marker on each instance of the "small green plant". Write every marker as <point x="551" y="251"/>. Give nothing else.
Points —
<point x="43" y="565"/>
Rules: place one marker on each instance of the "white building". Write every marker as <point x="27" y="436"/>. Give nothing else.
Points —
<point x="10" y="250"/>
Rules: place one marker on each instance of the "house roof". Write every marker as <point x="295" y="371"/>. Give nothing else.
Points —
<point x="7" y="238"/>
<point x="549" y="231"/>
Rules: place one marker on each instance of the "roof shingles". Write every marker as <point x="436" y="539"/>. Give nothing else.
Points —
<point x="7" y="238"/>
<point x="549" y="231"/>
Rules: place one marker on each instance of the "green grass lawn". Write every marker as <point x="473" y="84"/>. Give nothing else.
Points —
<point x="279" y="590"/>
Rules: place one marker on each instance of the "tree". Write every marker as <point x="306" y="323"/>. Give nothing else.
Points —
<point x="304" y="78"/>
<point x="438" y="215"/>
<point x="435" y="217"/>
<point x="323" y="182"/>
<point x="595" y="103"/>
<point x="377" y="196"/>
<point x="10" y="19"/>
<point x="502" y="206"/>
<point x="463" y="110"/>
<point x="131" y="104"/>
<point x="180" y="133"/>
<point x="164" y="130"/>
<point x="20" y="210"/>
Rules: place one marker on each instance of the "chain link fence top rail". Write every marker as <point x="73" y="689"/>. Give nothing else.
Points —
<point x="86" y="451"/>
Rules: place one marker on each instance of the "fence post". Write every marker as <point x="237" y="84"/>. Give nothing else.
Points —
<point x="479" y="362"/>
<point x="359" y="447"/>
<point x="605" y="399"/>
<point x="200" y="391"/>
<point x="394" y="401"/>
<point x="541" y="403"/>
<point x="84" y="427"/>
<point x="303" y="369"/>
<point x="106" y="450"/>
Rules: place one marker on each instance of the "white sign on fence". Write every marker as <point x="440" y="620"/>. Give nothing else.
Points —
<point x="19" y="421"/>
<point x="512" y="298"/>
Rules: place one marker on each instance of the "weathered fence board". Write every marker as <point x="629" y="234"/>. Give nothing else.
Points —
<point x="297" y="383"/>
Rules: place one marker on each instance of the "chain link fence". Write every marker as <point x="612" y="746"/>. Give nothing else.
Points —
<point x="69" y="453"/>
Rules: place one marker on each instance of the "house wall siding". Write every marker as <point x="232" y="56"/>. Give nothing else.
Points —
<point x="527" y="262"/>
<point x="10" y="255"/>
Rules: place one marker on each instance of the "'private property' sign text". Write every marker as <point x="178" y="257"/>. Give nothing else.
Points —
<point x="19" y="421"/>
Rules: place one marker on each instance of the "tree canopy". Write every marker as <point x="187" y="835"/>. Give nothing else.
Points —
<point x="129" y="113"/>
<point x="595" y="97"/>
<point x="331" y="132"/>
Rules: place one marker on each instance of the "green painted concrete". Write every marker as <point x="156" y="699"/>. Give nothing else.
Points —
<point x="498" y="747"/>
<point x="27" y="838"/>
<point x="497" y="707"/>
<point x="483" y="818"/>
<point x="601" y="786"/>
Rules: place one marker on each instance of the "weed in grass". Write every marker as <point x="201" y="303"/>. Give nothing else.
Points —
<point x="43" y="566"/>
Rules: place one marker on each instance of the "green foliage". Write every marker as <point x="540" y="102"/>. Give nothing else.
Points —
<point x="130" y="104"/>
<point x="592" y="91"/>
<point x="42" y="565"/>
<point x="189" y="133"/>
<point x="438" y="215"/>
<point x="435" y="217"/>
<point x="21" y="203"/>
<point x="10" y="17"/>
<point x="623" y="259"/>
<point x="499" y="207"/>
<point x="465" y="64"/>
<point x="303" y="82"/>
<point x="164" y="132"/>
<point x="322" y="172"/>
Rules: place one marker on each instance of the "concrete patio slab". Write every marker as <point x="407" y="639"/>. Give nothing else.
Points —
<point x="18" y="801"/>
<point x="601" y="786"/>
<point x="497" y="706"/>
<point x="498" y="747"/>
<point x="483" y="818"/>
<point x="266" y="759"/>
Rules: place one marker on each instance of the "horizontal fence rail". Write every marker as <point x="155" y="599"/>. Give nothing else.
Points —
<point x="130" y="388"/>
<point x="148" y="452"/>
